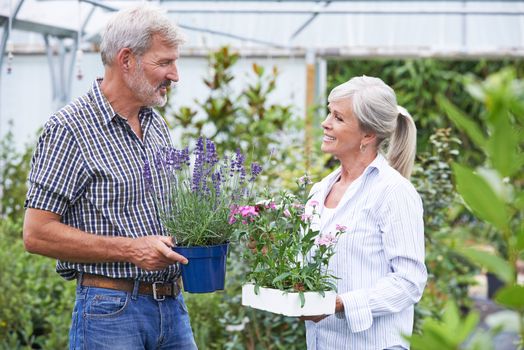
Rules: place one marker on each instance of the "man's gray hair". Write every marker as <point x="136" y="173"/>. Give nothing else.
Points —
<point x="375" y="105"/>
<point x="134" y="28"/>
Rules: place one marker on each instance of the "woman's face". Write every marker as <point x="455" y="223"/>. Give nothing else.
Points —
<point x="342" y="134"/>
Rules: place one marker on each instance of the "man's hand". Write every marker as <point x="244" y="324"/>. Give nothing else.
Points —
<point x="154" y="253"/>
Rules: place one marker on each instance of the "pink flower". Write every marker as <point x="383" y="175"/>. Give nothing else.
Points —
<point x="313" y="203"/>
<point x="341" y="228"/>
<point x="287" y="213"/>
<point x="248" y="210"/>
<point x="326" y="240"/>
<point x="297" y="206"/>
<point x="306" y="217"/>
<point x="271" y="205"/>
<point x="232" y="220"/>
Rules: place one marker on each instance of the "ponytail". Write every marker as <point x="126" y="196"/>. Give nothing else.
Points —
<point x="403" y="144"/>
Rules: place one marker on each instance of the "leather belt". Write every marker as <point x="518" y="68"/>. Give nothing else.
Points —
<point x="159" y="290"/>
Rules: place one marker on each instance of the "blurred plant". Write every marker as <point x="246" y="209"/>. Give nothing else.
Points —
<point x="245" y="119"/>
<point x="35" y="303"/>
<point x="418" y="81"/>
<point x="450" y="274"/>
<point x="452" y="332"/>
<point x="14" y="166"/>
<point x="494" y="192"/>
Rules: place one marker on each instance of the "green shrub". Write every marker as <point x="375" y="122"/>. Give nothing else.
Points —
<point x="35" y="303"/>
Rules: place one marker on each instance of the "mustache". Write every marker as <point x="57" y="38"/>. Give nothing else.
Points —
<point x="165" y="83"/>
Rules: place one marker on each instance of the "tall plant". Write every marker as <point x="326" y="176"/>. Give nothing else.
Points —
<point x="450" y="274"/>
<point x="229" y="118"/>
<point x="493" y="192"/>
<point x="418" y="81"/>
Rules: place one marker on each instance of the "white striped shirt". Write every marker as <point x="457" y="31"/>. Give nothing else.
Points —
<point x="379" y="260"/>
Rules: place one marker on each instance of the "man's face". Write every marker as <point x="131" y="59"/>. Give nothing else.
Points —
<point x="153" y="73"/>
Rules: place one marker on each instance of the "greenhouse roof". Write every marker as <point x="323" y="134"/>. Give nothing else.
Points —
<point x="329" y="28"/>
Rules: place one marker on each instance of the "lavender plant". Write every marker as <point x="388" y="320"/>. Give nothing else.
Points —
<point x="287" y="253"/>
<point x="195" y="208"/>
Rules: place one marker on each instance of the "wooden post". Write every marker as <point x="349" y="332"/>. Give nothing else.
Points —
<point x="310" y="104"/>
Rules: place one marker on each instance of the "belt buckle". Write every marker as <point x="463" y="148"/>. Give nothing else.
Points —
<point x="155" y="295"/>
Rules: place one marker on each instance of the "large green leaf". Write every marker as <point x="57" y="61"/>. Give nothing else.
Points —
<point x="480" y="197"/>
<point x="503" y="146"/>
<point x="512" y="297"/>
<point x="462" y="121"/>
<point x="520" y="238"/>
<point x="492" y="263"/>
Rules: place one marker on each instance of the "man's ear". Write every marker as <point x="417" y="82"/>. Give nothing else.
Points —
<point x="125" y="59"/>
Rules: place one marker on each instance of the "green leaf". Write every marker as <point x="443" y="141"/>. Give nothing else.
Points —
<point x="302" y="299"/>
<point x="503" y="146"/>
<point x="462" y="121"/>
<point x="520" y="239"/>
<point x="492" y="263"/>
<point x="468" y="326"/>
<point x="511" y="297"/>
<point x="480" y="197"/>
<point x="281" y="277"/>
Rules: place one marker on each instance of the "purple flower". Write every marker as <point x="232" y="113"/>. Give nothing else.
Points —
<point x="304" y="180"/>
<point x="256" y="169"/>
<point x="237" y="165"/>
<point x="148" y="178"/>
<point x="199" y="163"/>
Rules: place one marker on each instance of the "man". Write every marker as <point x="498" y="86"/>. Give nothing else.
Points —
<point x="88" y="206"/>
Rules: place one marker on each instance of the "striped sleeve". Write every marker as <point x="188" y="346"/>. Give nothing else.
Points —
<point x="57" y="177"/>
<point x="402" y="229"/>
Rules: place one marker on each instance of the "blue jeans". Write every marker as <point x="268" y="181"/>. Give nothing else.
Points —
<point x="112" y="319"/>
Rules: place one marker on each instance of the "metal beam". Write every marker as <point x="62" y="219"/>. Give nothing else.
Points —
<point x="378" y="11"/>
<point x="31" y="26"/>
<point x="199" y="29"/>
<point x="5" y="32"/>
<point x="306" y="23"/>
<point x="315" y="1"/>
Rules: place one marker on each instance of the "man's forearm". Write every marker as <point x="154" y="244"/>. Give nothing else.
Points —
<point x="44" y="234"/>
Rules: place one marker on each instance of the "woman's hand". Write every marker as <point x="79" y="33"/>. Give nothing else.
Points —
<point x="313" y="318"/>
<point x="339" y="307"/>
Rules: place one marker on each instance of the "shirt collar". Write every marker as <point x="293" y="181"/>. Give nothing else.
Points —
<point x="379" y="163"/>
<point x="105" y="108"/>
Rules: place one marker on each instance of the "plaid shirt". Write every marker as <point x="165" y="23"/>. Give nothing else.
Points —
<point x="88" y="168"/>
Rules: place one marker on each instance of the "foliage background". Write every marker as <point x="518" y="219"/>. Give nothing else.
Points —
<point x="35" y="304"/>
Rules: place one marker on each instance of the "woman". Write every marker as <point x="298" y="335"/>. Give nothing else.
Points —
<point x="379" y="260"/>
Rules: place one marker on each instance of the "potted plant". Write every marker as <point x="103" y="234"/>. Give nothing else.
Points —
<point x="288" y="258"/>
<point x="195" y="209"/>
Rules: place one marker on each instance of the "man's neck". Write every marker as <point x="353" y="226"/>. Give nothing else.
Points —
<point x="122" y="99"/>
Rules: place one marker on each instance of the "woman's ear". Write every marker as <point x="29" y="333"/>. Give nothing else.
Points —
<point x="369" y="139"/>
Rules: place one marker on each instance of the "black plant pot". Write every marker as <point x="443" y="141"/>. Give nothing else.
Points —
<point x="494" y="284"/>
